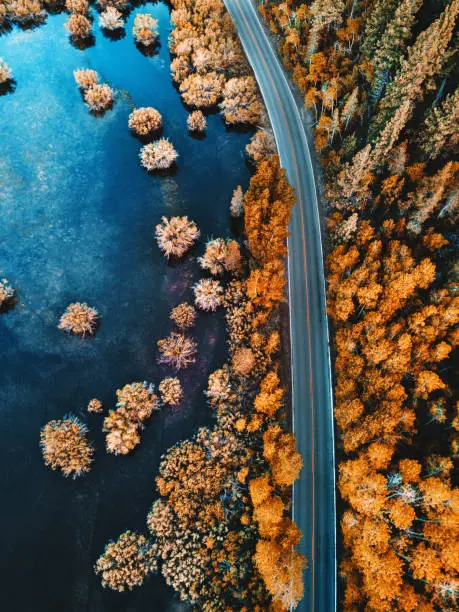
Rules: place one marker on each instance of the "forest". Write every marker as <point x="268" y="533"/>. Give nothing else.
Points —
<point x="379" y="79"/>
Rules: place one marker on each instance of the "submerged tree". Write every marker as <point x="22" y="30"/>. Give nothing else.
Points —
<point x="237" y="202"/>
<point x="65" y="447"/>
<point x="202" y="90"/>
<point x="208" y="294"/>
<point x="177" y="350"/>
<point x="184" y="316"/>
<point x="27" y="12"/>
<point x="240" y="101"/>
<point x="196" y="121"/>
<point x="145" y="29"/>
<point x="136" y="403"/>
<point x="175" y="236"/>
<point x="6" y="73"/>
<point x="127" y="562"/>
<point x="95" y="406"/>
<point x="171" y="391"/>
<point x="7" y="294"/>
<point x="99" y="98"/>
<point x="145" y="121"/>
<point x="221" y="256"/>
<point x="111" y="19"/>
<point x="80" y="319"/>
<point x="79" y="26"/>
<point x="86" y="78"/>
<point x="158" y="155"/>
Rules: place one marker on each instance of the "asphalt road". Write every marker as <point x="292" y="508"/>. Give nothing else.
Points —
<point x="314" y="492"/>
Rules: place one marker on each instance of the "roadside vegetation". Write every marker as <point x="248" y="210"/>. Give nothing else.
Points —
<point x="379" y="79"/>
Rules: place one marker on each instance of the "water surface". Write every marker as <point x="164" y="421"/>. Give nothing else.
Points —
<point x="77" y="217"/>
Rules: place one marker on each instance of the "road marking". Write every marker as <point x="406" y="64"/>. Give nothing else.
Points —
<point x="300" y="200"/>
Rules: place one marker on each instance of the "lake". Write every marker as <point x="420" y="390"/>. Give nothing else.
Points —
<point x="77" y="220"/>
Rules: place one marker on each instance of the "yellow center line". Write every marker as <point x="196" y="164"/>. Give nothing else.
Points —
<point x="308" y="323"/>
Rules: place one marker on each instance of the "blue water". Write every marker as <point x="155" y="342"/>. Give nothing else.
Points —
<point x="77" y="219"/>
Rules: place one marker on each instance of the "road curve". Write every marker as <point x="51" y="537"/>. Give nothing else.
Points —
<point x="314" y="492"/>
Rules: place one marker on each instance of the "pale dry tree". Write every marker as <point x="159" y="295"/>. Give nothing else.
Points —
<point x="6" y="292"/>
<point x="26" y="12"/>
<point x="196" y="122"/>
<point x="261" y="145"/>
<point x="80" y="319"/>
<point x="79" y="26"/>
<point x="158" y="155"/>
<point x="145" y="30"/>
<point x="85" y="78"/>
<point x="243" y="361"/>
<point x="208" y="294"/>
<point x="184" y="316"/>
<point x="111" y="19"/>
<point x="221" y="256"/>
<point x="237" y="202"/>
<point x="145" y="121"/>
<point x="95" y="406"/>
<point x="64" y="446"/>
<point x="99" y="98"/>
<point x="219" y="386"/>
<point x="77" y="6"/>
<point x="175" y="236"/>
<point x="127" y="562"/>
<point x="171" y="391"/>
<point x="177" y="350"/>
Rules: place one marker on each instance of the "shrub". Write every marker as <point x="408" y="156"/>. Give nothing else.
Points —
<point x="127" y="562"/>
<point x="177" y="350"/>
<point x="79" y="318"/>
<point x="79" y="26"/>
<point x="145" y="30"/>
<point x="171" y="391"/>
<point x="184" y="316"/>
<point x="202" y="90"/>
<point x="99" y="98"/>
<point x="176" y="236"/>
<point x="145" y="121"/>
<point x="95" y="406"/>
<point x="85" y="78"/>
<point x="64" y="446"/>
<point x="159" y="155"/>
<point x="77" y="6"/>
<point x="196" y="121"/>
<point x="111" y="19"/>
<point x="208" y="294"/>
